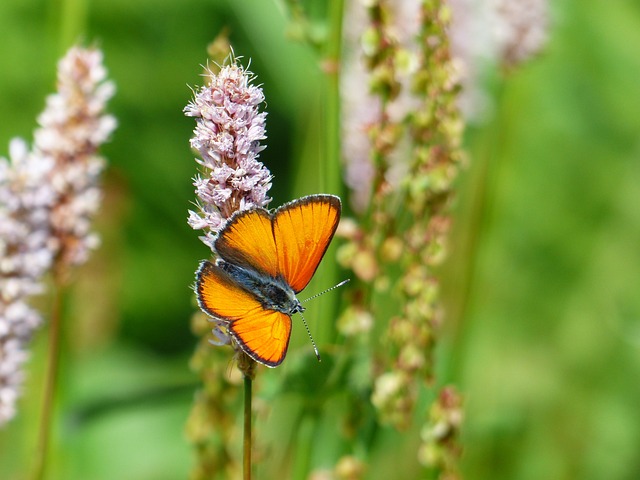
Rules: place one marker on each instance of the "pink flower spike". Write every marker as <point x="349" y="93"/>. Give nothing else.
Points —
<point x="72" y="128"/>
<point x="227" y="135"/>
<point x="48" y="195"/>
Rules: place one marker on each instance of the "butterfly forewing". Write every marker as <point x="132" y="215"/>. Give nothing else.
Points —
<point x="303" y="230"/>
<point x="247" y="241"/>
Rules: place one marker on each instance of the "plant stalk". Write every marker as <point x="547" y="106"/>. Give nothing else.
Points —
<point x="246" y="457"/>
<point x="51" y="381"/>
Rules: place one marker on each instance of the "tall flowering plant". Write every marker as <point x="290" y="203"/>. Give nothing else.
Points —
<point x="48" y="197"/>
<point x="227" y="136"/>
<point x="401" y="165"/>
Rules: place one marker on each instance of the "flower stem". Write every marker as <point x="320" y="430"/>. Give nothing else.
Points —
<point x="329" y="171"/>
<point x="246" y="458"/>
<point x="72" y="21"/>
<point x="53" y="357"/>
<point x="334" y="50"/>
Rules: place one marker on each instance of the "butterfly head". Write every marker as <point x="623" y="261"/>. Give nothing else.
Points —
<point x="281" y="299"/>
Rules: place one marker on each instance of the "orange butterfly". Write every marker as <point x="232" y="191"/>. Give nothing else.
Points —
<point x="264" y="260"/>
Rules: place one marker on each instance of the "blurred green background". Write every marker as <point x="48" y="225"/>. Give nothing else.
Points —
<point x="542" y="290"/>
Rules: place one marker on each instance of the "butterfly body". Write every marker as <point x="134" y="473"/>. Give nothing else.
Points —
<point x="264" y="260"/>
<point x="272" y="293"/>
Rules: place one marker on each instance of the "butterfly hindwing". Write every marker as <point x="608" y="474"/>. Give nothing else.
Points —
<point x="247" y="241"/>
<point x="303" y="230"/>
<point x="263" y="334"/>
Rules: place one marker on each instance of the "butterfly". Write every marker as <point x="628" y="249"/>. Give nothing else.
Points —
<point x="264" y="260"/>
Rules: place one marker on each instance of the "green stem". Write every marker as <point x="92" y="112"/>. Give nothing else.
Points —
<point x="73" y="18"/>
<point x="246" y="458"/>
<point x="334" y="51"/>
<point x="306" y="445"/>
<point x="53" y="359"/>
<point x="330" y="171"/>
<point x="482" y="181"/>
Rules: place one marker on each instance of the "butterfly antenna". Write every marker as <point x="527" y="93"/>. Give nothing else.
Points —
<point x="315" y="348"/>
<point x="327" y="290"/>
<point x="306" y="326"/>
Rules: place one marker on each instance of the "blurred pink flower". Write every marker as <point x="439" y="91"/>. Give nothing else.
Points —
<point x="72" y="128"/>
<point x="47" y="198"/>
<point x="25" y="256"/>
<point x="485" y="34"/>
